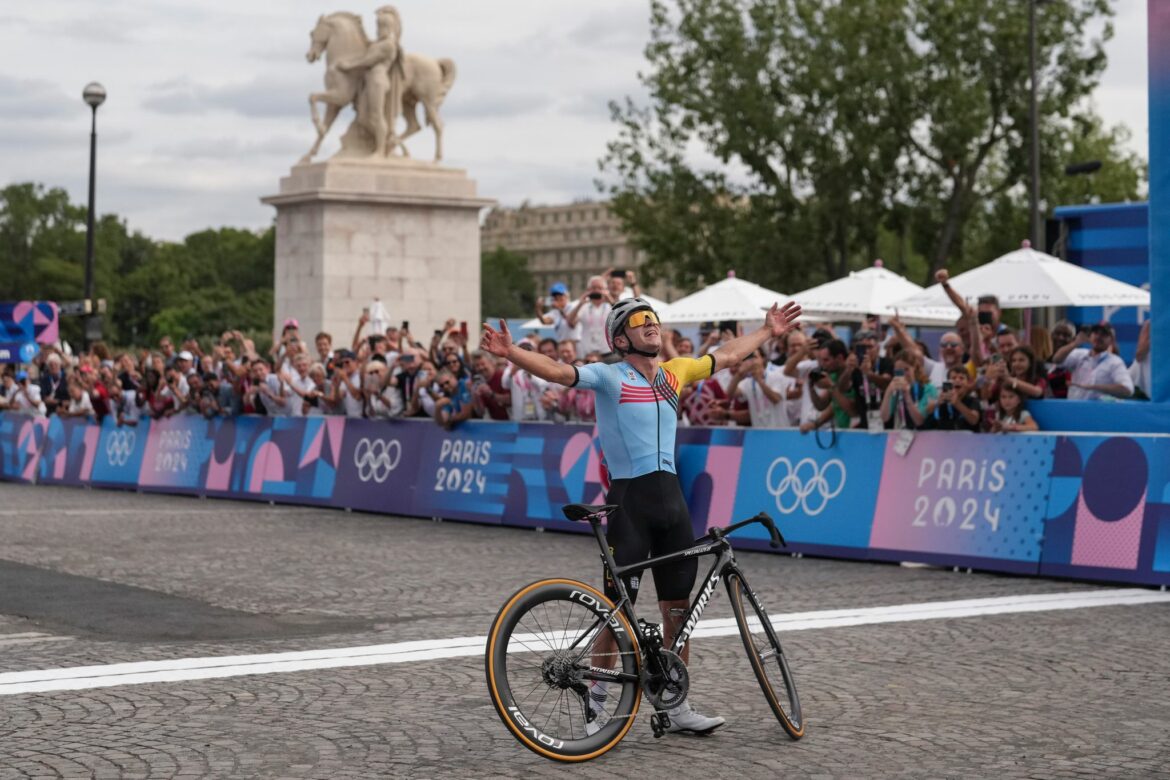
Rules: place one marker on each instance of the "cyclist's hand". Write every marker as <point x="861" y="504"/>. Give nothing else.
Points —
<point x="780" y="320"/>
<point x="497" y="342"/>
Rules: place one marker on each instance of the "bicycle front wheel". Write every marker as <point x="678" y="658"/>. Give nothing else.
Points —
<point x="767" y="658"/>
<point x="549" y="646"/>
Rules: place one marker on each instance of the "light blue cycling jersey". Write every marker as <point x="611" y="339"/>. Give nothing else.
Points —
<point x="637" y="419"/>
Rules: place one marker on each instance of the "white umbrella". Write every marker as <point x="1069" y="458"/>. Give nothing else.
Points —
<point x="872" y="291"/>
<point x="659" y="305"/>
<point x="1026" y="279"/>
<point x="728" y="299"/>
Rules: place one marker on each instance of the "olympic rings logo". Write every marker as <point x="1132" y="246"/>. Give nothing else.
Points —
<point x="376" y="458"/>
<point x="807" y="485"/>
<point x="119" y="447"/>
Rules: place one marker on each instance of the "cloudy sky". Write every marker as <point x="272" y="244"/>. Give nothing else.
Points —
<point x="208" y="105"/>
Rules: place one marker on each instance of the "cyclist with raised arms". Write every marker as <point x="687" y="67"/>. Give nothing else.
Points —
<point x="637" y="416"/>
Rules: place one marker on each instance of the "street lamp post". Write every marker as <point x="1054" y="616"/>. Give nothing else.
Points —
<point x="94" y="95"/>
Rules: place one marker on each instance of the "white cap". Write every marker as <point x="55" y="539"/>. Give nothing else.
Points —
<point x="185" y="355"/>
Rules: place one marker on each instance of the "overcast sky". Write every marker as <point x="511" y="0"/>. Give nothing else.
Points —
<point x="208" y="108"/>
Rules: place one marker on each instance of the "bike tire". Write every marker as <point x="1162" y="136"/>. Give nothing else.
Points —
<point x="535" y="625"/>
<point x="766" y="656"/>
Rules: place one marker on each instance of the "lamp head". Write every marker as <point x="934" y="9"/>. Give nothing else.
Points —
<point x="94" y="94"/>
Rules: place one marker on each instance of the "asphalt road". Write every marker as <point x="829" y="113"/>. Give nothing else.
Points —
<point x="93" y="578"/>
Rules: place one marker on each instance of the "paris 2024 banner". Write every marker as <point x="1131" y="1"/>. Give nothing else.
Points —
<point x="1082" y="506"/>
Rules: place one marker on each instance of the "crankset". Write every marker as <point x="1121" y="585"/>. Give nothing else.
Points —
<point x="666" y="686"/>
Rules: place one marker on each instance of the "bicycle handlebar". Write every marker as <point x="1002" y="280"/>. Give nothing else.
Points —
<point x="763" y="518"/>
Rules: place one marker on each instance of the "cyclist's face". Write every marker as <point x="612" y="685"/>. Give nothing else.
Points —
<point x="647" y="337"/>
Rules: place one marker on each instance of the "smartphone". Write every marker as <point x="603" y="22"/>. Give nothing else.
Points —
<point x="463" y="328"/>
<point x="948" y="387"/>
<point x="366" y="311"/>
<point x="618" y="273"/>
<point x="899" y="372"/>
<point x="730" y="325"/>
<point x="997" y="358"/>
<point x="984" y="318"/>
<point x="860" y="351"/>
<point x="405" y="325"/>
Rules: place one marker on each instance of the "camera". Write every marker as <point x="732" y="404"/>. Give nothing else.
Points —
<point x="595" y="296"/>
<point x="816" y="375"/>
<point x="985" y="318"/>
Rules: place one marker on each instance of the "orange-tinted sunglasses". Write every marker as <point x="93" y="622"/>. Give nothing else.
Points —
<point x="640" y="318"/>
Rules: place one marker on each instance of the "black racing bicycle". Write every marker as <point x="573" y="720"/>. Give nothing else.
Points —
<point x="552" y="639"/>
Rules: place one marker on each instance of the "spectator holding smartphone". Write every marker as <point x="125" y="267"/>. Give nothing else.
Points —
<point x="557" y="314"/>
<point x="957" y="407"/>
<point x="871" y="375"/>
<point x="1096" y="371"/>
<point x="908" y="395"/>
<point x="1010" y="413"/>
<point x="589" y="315"/>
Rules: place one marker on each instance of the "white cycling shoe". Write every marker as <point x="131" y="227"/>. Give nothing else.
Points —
<point x="683" y="718"/>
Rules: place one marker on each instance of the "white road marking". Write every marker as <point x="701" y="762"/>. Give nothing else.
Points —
<point x="185" y="669"/>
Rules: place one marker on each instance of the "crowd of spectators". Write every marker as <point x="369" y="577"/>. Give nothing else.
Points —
<point x="982" y="379"/>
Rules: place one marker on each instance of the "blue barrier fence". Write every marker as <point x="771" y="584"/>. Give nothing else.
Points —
<point x="1088" y="506"/>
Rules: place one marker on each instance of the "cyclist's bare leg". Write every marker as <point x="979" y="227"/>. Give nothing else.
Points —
<point x="673" y="613"/>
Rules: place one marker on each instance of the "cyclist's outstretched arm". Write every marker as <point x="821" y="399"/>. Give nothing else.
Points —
<point x="777" y="322"/>
<point x="499" y="343"/>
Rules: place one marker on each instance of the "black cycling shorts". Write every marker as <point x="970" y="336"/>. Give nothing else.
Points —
<point x="652" y="520"/>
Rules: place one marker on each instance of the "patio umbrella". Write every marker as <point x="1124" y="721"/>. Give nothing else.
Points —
<point x="728" y="299"/>
<point x="1026" y="279"/>
<point x="872" y="291"/>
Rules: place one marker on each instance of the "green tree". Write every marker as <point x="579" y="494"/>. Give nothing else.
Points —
<point x="507" y="289"/>
<point x="795" y="139"/>
<point x="212" y="280"/>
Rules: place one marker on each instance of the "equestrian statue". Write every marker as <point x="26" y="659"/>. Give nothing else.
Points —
<point x="380" y="80"/>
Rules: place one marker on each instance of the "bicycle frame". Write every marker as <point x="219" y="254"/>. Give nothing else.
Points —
<point x="724" y="562"/>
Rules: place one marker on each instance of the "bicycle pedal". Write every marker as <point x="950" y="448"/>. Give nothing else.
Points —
<point x="657" y="727"/>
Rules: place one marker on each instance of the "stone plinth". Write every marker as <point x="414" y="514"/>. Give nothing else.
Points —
<point x="350" y="231"/>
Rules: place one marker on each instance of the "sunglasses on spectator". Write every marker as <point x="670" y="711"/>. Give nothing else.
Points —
<point x="950" y="343"/>
<point x="640" y="318"/>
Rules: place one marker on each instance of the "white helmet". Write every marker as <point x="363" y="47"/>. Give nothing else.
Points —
<point x="615" y="321"/>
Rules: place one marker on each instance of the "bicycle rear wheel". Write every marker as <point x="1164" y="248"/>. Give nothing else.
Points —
<point x="545" y="648"/>
<point x="767" y="658"/>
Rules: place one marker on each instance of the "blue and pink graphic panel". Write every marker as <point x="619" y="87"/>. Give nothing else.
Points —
<point x="24" y="325"/>
<point x="967" y="498"/>
<point x="1107" y="510"/>
<point x="21" y="440"/>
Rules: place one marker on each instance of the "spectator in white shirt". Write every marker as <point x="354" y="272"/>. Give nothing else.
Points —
<point x="305" y="398"/>
<point x="527" y="392"/>
<point x="347" y="385"/>
<point x="589" y="313"/>
<point x="26" y="396"/>
<point x="765" y="386"/>
<point x="79" y="403"/>
<point x="1096" y="371"/>
<point x="564" y="329"/>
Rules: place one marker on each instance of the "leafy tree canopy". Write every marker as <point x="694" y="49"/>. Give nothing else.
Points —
<point x="793" y="140"/>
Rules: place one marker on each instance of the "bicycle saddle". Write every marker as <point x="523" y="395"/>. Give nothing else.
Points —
<point x="583" y="511"/>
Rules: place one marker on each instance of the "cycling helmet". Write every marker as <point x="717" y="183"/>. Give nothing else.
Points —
<point x="615" y="321"/>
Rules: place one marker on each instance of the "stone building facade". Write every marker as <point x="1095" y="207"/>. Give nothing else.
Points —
<point x="566" y="243"/>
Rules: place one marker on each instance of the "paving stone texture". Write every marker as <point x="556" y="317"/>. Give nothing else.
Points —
<point x="1073" y="693"/>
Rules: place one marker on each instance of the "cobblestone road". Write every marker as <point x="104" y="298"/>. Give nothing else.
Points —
<point x="1047" y="694"/>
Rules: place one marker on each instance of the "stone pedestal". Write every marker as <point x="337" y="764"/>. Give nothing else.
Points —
<point x="350" y="231"/>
